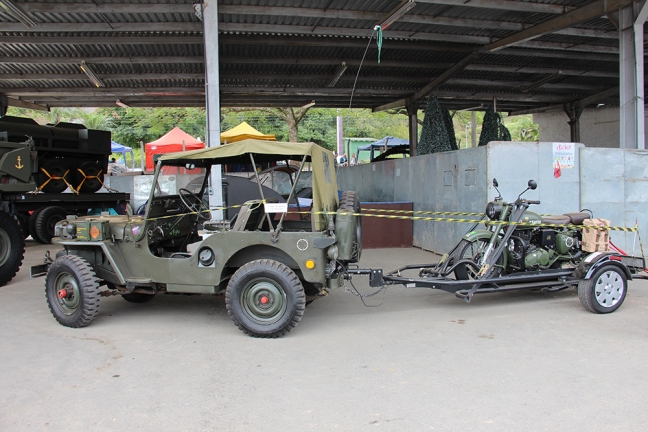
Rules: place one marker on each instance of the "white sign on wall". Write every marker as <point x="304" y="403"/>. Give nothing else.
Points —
<point x="564" y="154"/>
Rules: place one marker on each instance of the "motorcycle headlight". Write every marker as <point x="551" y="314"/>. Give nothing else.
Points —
<point x="493" y="210"/>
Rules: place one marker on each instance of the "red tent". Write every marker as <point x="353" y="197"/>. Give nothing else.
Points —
<point x="170" y="143"/>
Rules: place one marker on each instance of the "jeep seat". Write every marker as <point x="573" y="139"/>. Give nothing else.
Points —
<point x="249" y="217"/>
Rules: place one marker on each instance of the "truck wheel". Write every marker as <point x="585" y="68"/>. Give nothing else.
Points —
<point x="72" y="291"/>
<point x="31" y="225"/>
<point x="12" y="248"/>
<point x="350" y="202"/>
<point x="265" y="298"/>
<point x="472" y="250"/>
<point x="93" y="176"/>
<point x="46" y="221"/>
<point x="138" y="297"/>
<point x="55" y="168"/>
<point x="605" y="291"/>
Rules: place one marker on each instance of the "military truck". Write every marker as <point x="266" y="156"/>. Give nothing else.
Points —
<point x="267" y="263"/>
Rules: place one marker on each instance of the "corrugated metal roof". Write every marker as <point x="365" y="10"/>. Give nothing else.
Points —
<point x="156" y="47"/>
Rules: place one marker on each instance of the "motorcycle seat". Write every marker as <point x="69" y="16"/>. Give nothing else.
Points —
<point x="556" y="220"/>
<point x="577" y="218"/>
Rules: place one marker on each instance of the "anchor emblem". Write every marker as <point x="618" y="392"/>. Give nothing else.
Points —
<point x="19" y="165"/>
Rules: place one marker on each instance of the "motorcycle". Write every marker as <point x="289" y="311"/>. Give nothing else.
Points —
<point x="518" y="240"/>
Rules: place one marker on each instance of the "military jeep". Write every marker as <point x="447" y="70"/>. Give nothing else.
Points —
<point x="267" y="262"/>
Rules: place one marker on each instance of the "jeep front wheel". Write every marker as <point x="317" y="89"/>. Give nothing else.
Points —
<point x="265" y="298"/>
<point x="72" y="291"/>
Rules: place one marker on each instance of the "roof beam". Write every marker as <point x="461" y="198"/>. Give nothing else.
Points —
<point x="504" y="5"/>
<point x="582" y="103"/>
<point x="300" y="61"/>
<point x="17" y="103"/>
<point x="88" y="8"/>
<point x="267" y="28"/>
<point x="293" y="77"/>
<point x="587" y="12"/>
<point x="569" y="19"/>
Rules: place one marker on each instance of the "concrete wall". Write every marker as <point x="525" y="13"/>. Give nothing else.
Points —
<point x="599" y="127"/>
<point x="608" y="181"/>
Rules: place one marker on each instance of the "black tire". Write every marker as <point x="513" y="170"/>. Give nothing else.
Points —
<point x="72" y="291"/>
<point x="138" y="297"/>
<point x="55" y="168"/>
<point x="46" y="221"/>
<point x="265" y="298"/>
<point x="31" y="225"/>
<point x="23" y="221"/>
<point x="90" y="185"/>
<point x="605" y="291"/>
<point x="12" y="248"/>
<point x="472" y="250"/>
<point x="349" y="201"/>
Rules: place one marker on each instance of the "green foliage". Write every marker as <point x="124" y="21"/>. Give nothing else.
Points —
<point x="129" y="126"/>
<point x="437" y="135"/>
<point x="522" y="128"/>
<point x="493" y="129"/>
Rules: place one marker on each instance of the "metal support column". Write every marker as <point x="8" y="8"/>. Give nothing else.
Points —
<point x="212" y="98"/>
<point x="574" y="114"/>
<point x="631" y="82"/>
<point x="412" y="111"/>
<point x="473" y="129"/>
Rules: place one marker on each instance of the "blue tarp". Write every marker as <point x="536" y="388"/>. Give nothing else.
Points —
<point x="388" y="141"/>
<point x="119" y="148"/>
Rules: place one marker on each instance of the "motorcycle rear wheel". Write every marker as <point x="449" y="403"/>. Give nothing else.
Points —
<point x="474" y="251"/>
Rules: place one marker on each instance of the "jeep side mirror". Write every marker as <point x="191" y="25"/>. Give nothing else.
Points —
<point x="532" y="184"/>
<point x="495" y="182"/>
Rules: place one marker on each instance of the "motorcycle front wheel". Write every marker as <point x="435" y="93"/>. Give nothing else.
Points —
<point x="474" y="251"/>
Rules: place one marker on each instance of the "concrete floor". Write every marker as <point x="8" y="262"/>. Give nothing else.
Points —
<point x="424" y="360"/>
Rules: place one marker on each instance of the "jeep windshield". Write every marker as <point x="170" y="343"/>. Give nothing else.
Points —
<point x="255" y="152"/>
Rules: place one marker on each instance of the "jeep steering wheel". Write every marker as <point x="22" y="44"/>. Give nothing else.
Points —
<point x="194" y="204"/>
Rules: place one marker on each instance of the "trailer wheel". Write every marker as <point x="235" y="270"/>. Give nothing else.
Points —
<point x="474" y="251"/>
<point x="605" y="291"/>
<point x="12" y="248"/>
<point x="46" y="221"/>
<point x="72" y="291"/>
<point x="138" y="297"/>
<point x="89" y="177"/>
<point x="265" y="298"/>
<point x="350" y="202"/>
<point x="52" y="176"/>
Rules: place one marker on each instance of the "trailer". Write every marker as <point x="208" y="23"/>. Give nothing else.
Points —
<point x="601" y="279"/>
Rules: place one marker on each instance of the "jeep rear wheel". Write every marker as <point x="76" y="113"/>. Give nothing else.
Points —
<point x="265" y="298"/>
<point x="72" y="291"/>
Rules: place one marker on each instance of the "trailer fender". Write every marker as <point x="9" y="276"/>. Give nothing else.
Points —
<point x="595" y="260"/>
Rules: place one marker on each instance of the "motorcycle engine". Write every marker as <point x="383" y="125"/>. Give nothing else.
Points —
<point x="536" y="257"/>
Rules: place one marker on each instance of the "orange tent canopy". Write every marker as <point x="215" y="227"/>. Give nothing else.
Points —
<point x="170" y="143"/>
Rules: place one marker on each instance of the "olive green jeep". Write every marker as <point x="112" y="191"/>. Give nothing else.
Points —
<point x="268" y="262"/>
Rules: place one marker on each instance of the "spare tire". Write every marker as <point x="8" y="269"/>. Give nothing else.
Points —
<point x="89" y="177"/>
<point x="54" y="176"/>
<point x="348" y="228"/>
